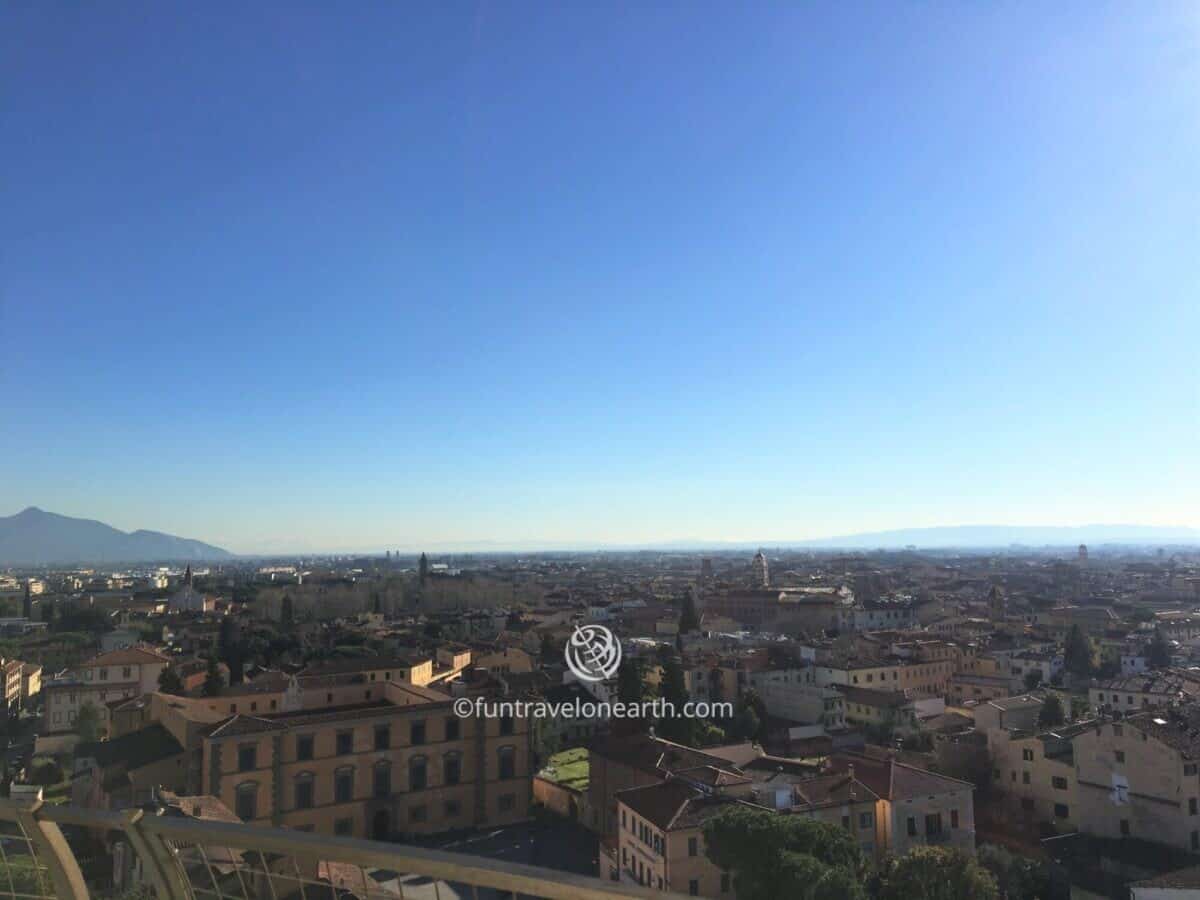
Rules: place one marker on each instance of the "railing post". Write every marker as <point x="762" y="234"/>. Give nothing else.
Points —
<point x="157" y="858"/>
<point x="53" y="852"/>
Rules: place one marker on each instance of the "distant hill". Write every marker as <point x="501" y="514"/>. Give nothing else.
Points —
<point x="35" y="537"/>
<point x="1005" y="535"/>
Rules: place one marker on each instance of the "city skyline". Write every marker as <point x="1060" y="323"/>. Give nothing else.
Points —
<point x="315" y="279"/>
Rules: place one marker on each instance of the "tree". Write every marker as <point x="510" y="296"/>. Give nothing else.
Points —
<point x="287" y="613"/>
<point x="213" y="682"/>
<point x="773" y="856"/>
<point x="750" y="719"/>
<point x="678" y="727"/>
<point x="1017" y="878"/>
<point x="169" y="681"/>
<point x="631" y="687"/>
<point x="1158" y="651"/>
<point x="1033" y="679"/>
<point x="229" y="642"/>
<point x="936" y="873"/>
<point x="87" y="723"/>
<point x="547" y="650"/>
<point x="688" y="619"/>
<point x="1051" y="713"/>
<point x="1077" y="653"/>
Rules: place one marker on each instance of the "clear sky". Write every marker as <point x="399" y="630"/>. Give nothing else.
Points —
<point x="324" y="276"/>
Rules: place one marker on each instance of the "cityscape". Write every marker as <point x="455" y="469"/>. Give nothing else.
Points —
<point x="600" y="451"/>
<point x="1030" y="710"/>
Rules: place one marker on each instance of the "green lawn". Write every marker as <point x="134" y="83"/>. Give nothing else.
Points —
<point x="568" y="768"/>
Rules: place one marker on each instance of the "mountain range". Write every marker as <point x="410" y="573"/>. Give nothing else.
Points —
<point x="36" y="537"/>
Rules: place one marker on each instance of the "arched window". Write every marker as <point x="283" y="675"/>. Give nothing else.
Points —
<point x="417" y="773"/>
<point x="304" y="790"/>
<point x="381" y="778"/>
<point x="452" y="768"/>
<point x="247" y="800"/>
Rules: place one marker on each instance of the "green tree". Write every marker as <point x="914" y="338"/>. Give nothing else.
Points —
<point x="631" y="687"/>
<point x="678" y="727"/>
<point x="169" y="681"/>
<point x="772" y="856"/>
<point x="87" y="723"/>
<point x="1051" y="713"/>
<point x="1033" y="679"/>
<point x="1158" y="651"/>
<point x="213" y="682"/>
<point x="688" y="619"/>
<point x="936" y="873"/>
<point x="1017" y="878"/>
<point x="1077" y="653"/>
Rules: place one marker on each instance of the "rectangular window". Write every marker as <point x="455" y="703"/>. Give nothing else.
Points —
<point x="381" y="781"/>
<point x="1191" y="806"/>
<point x="304" y="793"/>
<point x="417" y="733"/>
<point x="693" y="846"/>
<point x="912" y="826"/>
<point x="1062" y="811"/>
<point x="508" y="802"/>
<point x="247" y="757"/>
<point x="452" y="771"/>
<point x="452" y="808"/>
<point x="954" y="818"/>
<point x="1024" y="778"/>
<point x="1189" y="769"/>
<point x="343" y="827"/>
<point x="506" y="725"/>
<point x="417" y="814"/>
<point x="1125" y="828"/>
<point x="383" y="737"/>
<point x="1059" y="783"/>
<point x="304" y="747"/>
<point x="345" y="743"/>
<point x="343" y="786"/>
<point x="452" y="729"/>
<point x="1120" y="754"/>
<point x="933" y="824"/>
<point x="694" y="888"/>
<point x="864" y="820"/>
<point x="507" y="762"/>
<point x="1027" y="755"/>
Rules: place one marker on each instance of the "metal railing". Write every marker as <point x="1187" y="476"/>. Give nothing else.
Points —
<point x="181" y="858"/>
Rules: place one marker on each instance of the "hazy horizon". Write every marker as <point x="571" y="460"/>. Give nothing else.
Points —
<point x="388" y="276"/>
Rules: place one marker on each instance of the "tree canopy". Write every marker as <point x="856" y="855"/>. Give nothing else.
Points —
<point x="169" y="681"/>
<point x="1051" y="713"/>
<point x="1077" y="653"/>
<point x="936" y="873"/>
<point x="87" y="723"/>
<point x="773" y="856"/>
<point x="213" y="682"/>
<point x="1158" y="651"/>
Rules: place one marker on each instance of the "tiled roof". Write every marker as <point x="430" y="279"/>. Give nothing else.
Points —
<point x="872" y="697"/>
<point x="127" y="656"/>
<point x="362" y="664"/>
<point x="893" y="780"/>
<point x="133" y="750"/>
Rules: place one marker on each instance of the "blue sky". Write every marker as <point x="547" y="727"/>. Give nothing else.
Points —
<point x="331" y="276"/>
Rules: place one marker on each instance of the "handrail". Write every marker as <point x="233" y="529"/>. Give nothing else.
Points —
<point x="161" y="842"/>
